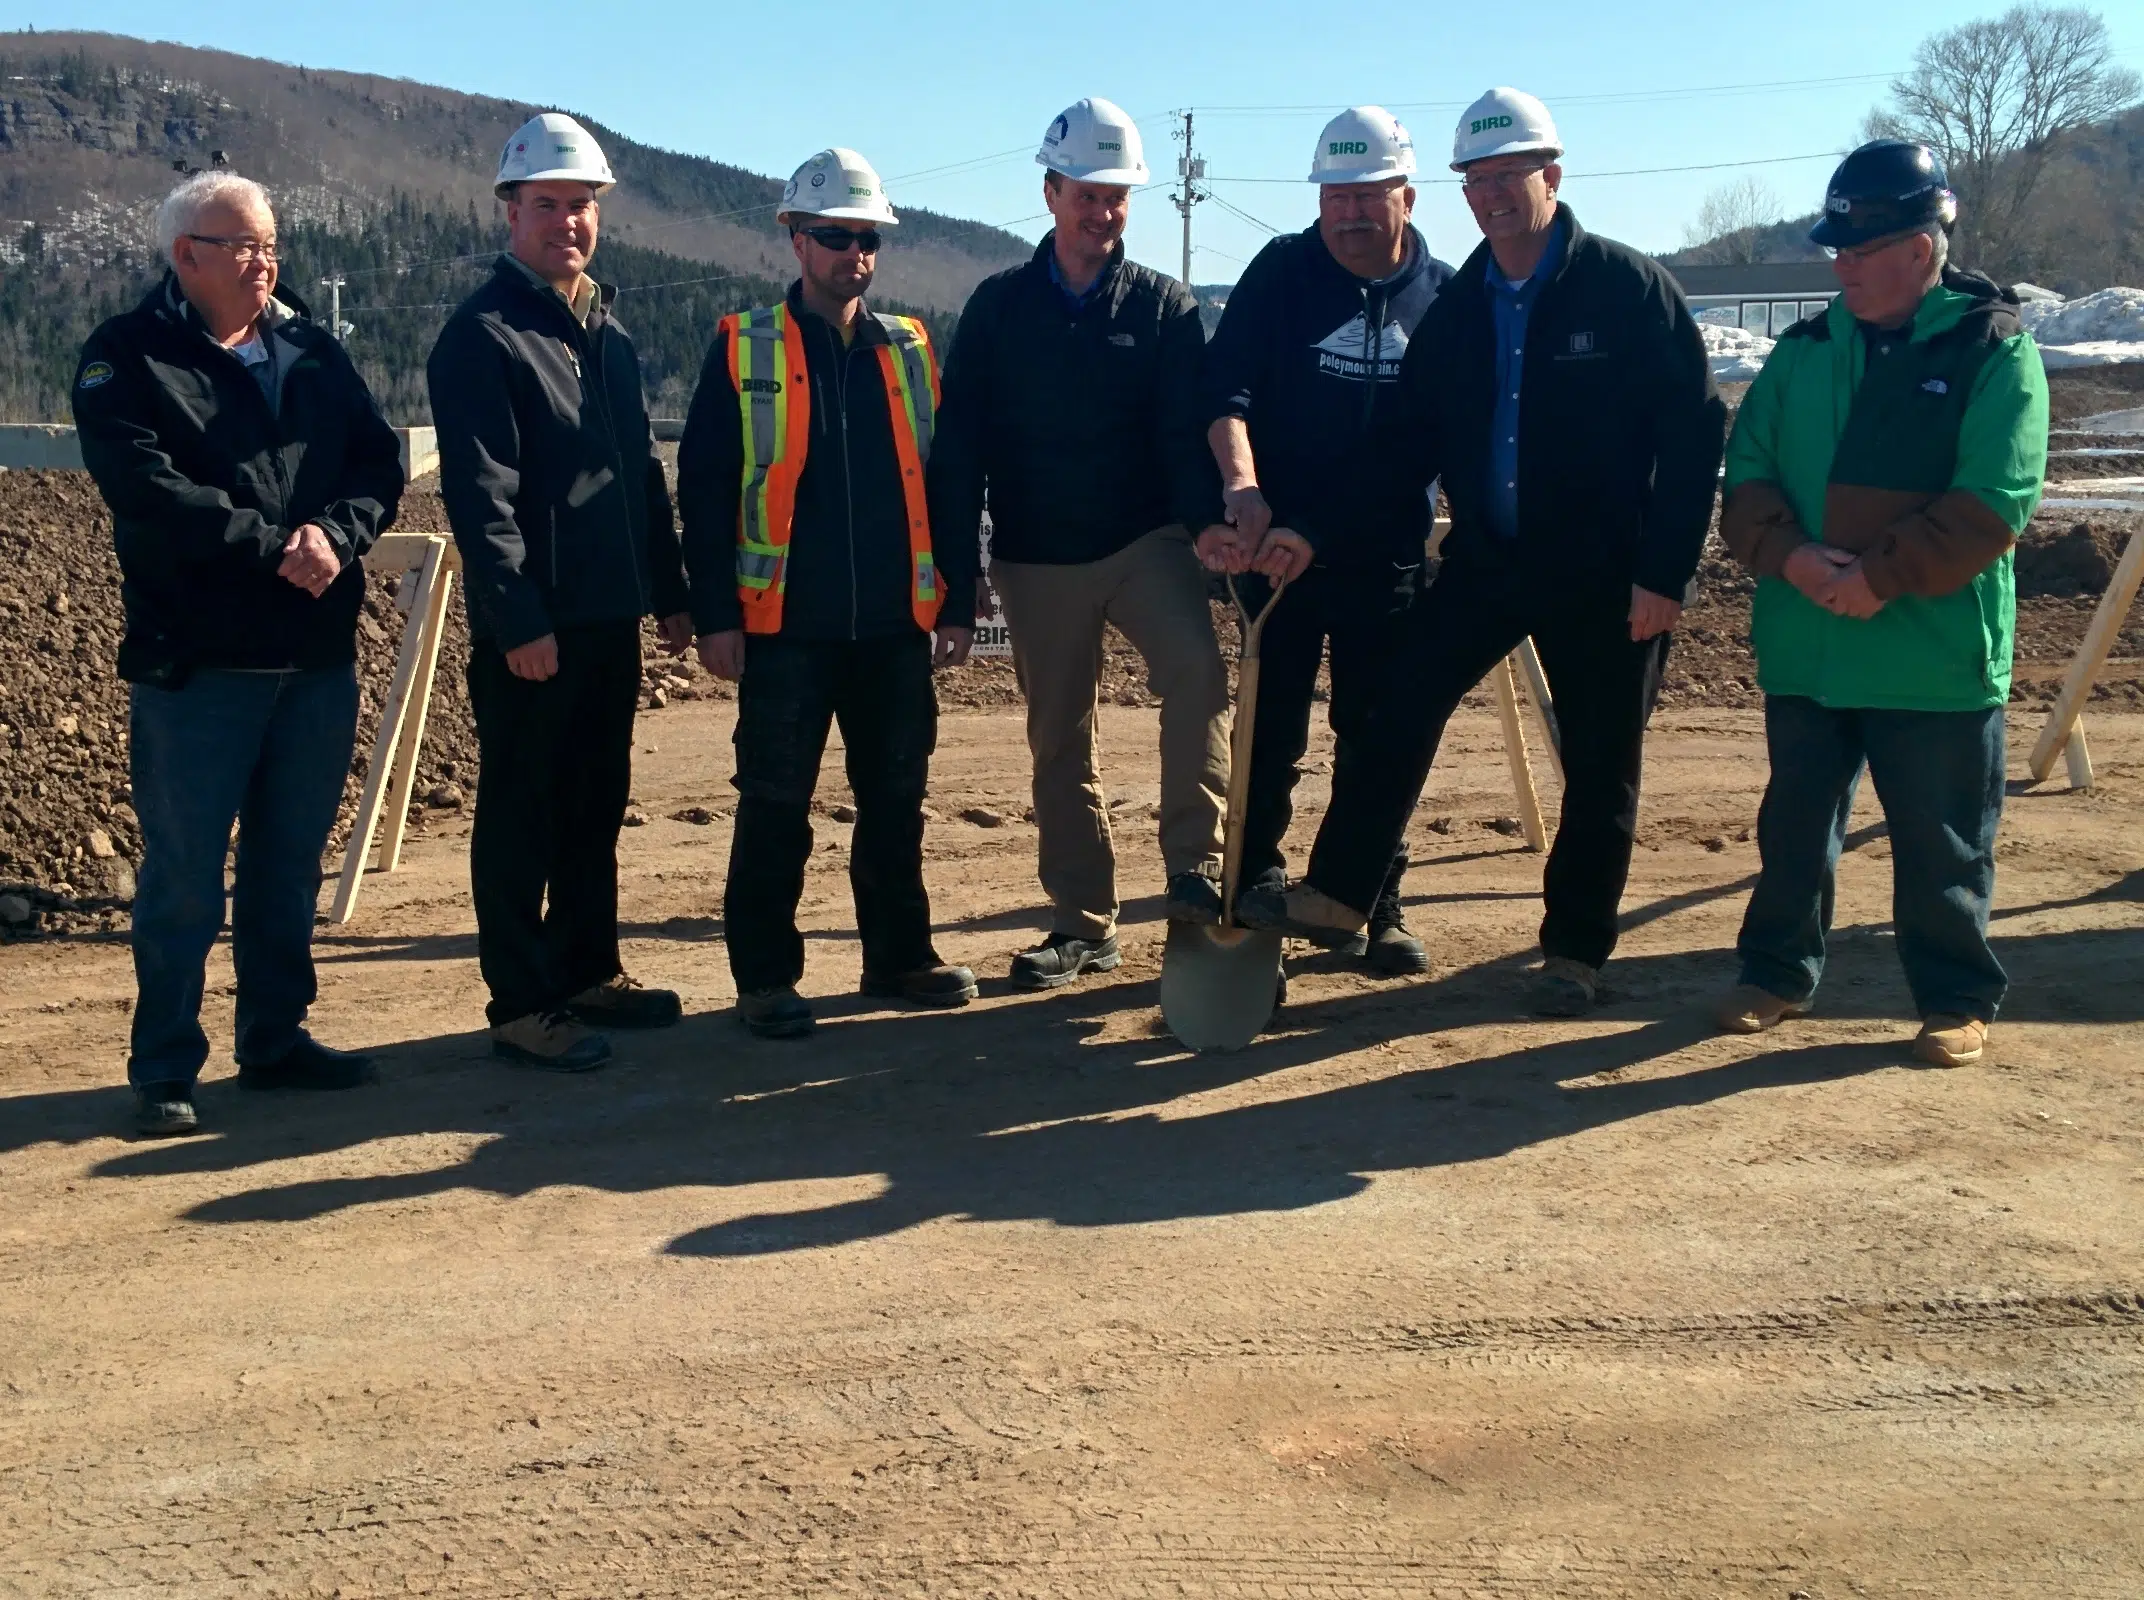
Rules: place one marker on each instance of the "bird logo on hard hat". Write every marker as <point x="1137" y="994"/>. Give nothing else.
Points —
<point x="1059" y="128"/>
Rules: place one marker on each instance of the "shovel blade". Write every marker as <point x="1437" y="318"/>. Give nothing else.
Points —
<point x="1218" y="985"/>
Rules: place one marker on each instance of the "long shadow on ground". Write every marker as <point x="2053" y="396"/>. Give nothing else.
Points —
<point x="1024" y="1111"/>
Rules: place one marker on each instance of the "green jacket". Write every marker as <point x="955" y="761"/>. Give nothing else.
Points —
<point x="1923" y="452"/>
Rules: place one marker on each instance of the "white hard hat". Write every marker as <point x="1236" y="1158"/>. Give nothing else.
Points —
<point x="840" y="185"/>
<point x="1362" y="145"/>
<point x="1094" y="141"/>
<point x="552" y="146"/>
<point x="1504" y="122"/>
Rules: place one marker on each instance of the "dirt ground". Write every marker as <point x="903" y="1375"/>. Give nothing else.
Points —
<point x="1414" y="1297"/>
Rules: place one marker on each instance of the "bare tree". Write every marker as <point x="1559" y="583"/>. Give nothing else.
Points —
<point x="1731" y="222"/>
<point x="1995" y="98"/>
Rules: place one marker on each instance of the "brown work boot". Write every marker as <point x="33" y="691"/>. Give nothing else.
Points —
<point x="621" y="1002"/>
<point x="1564" y="988"/>
<point x="552" y="1040"/>
<point x="1952" y="1041"/>
<point x="1749" y="1009"/>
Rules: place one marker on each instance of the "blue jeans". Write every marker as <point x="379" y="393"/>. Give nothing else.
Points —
<point x="1939" y="776"/>
<point x="271" y="749"/>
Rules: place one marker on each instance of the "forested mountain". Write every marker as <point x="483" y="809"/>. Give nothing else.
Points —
<point x="388" y="182"/>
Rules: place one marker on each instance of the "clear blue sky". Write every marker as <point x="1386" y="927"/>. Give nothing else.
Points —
<point x="919" y="85"/>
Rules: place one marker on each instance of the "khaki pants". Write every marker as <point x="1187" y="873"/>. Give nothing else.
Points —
<point x="1155" y="592"/>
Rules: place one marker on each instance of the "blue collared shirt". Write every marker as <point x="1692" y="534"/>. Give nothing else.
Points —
<point x="1076" y="299"/>
<point x="1510" y="305"/>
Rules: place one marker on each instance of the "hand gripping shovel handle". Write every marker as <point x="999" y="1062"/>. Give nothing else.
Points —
<point x="1239" y="742"/>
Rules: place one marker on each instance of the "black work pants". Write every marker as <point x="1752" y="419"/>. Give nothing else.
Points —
<point x="543" y="855"/>
<point x="1359" y="611"/>
<point x="880" y="691"/>
<point x="1604" y="686"/>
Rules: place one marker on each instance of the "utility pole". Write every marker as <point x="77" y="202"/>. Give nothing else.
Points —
<point x="334" y="287"/>
<point x="1189" y="169"/>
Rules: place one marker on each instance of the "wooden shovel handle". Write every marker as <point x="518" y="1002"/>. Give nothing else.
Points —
<point x="1241" y="734"/>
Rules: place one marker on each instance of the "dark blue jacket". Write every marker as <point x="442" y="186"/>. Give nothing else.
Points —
<point x="551" y="481"/>
<point x="1304" y="354"/>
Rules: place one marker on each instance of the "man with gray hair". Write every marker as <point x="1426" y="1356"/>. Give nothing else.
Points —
<point x="247" y="469"/>
<point x="1881" y="469"/>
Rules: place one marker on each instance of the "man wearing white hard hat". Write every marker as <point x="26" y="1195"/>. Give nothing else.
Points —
<point x="563" y="522"/>
<point x="1073" y="409"/>
<point x="1308" y="350"/>
<point x="817" y="583"/>
<point x="1559" y="390"/>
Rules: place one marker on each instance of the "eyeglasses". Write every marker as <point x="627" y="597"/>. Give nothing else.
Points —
<point x="241" y="249"/>
<point x="1858" y="253"/>
<point x="839" y="239"/>
<point x="1509" y="178"/>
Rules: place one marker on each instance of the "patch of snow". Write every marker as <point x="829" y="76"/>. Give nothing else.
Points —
<point x="1737" y="354"/>
<point x="2109" y="315"/>
<point x="2031" y="292"/>
<point x="2109" y="422"/>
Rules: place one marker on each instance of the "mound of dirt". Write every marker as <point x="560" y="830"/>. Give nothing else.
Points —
<point x="70" y="843"/>
<point x="69" y="839"/>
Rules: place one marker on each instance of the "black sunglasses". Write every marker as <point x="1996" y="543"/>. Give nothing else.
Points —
<point x="841" y="238"/>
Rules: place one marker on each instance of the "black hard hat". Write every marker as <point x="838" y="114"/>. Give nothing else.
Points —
<point x="1887" y="186"/>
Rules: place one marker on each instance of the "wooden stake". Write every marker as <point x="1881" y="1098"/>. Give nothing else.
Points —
<point x="1544" y="704"/>
<point x="393" y="717"/>
<point x="434" y="620"/>
<point x="1522" y="774"/>
<point x="2099" y="639"/>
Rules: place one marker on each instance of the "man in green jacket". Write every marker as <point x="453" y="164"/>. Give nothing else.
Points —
<point x="1880" y="471"/>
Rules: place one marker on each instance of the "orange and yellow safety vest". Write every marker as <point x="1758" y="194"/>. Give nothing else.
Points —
<point x="767" y="367"/>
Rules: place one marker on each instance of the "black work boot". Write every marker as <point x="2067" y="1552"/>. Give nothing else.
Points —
<point x="165" y="1110"/>
<point x="1060" y="958"/>
<point x="308" y="1064"/>
<point x="622" y="1002"/>
<point x="778" y="1013"/>
<point x="934" y="985"/>
<point x="1195" y="897"/>
<point x="1386" y="944"/>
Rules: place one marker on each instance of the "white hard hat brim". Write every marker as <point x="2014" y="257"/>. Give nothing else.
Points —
<point x="1515" y="147"/>
<point x="505" y="191"/>
<point x="879" y="219"/>
<point x="1127" y="177"/>
<point x="1379" y="175"/>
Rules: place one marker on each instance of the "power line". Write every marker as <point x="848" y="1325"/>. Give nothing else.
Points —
<point x="1599" y="98"/>
<point x="1237" y="211"/>
<point x="1620" y="172"/>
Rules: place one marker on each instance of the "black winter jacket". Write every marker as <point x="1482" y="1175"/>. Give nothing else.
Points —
<point x="206" y="484"/>
<point x="848" y="572"/>
<point x="1083" y="428"/>
<point x="1304" y="352"/>
<point x="546" y="465"/>
<point x="1621" y="427"/>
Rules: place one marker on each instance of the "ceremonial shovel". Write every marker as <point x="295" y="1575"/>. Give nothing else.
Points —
<point x="1219" y="985"/>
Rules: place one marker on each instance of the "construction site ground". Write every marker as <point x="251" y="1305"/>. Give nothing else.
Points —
<point x="1417" y="1296"/>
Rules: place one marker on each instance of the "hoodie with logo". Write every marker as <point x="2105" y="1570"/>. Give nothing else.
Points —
<point x="1305" y="354"/>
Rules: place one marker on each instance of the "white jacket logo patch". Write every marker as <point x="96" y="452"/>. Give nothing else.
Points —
<point x="1346" y="351"/>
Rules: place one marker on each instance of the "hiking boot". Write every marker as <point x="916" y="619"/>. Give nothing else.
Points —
<point x="1563" y="988"/>
<point x="1952" y="1041"/>
<point x="1195" y="897"/>
<point x="621" y="1002"/>
<point x="1749" y="1009"/>
<point x="165" y="1110"/>
<point x="1389" y="948"/>
<point x="935" y="985"/>
<point x="1062" y="957"/>
<point x="778" y="1013"/>
<point x="309" y="1064"/>
<point x="552" y="1040"/>
<point x="1302" y="913"/>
